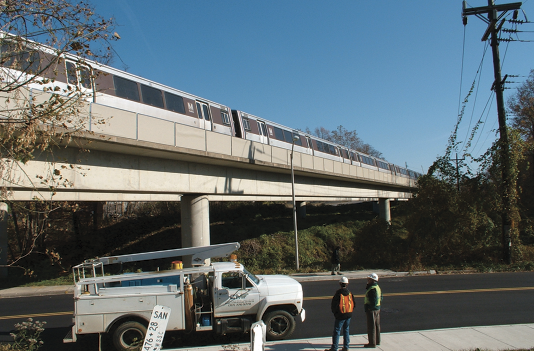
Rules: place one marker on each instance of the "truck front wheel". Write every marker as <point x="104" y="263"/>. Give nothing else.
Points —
<point x="129" y="335"/>
<point x="280" y="325"/>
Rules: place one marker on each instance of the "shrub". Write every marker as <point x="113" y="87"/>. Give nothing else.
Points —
<point x="27" y="335"/>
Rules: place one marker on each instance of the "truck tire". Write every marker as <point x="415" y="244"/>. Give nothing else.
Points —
<point x="129" y="336"/>
<point x="280" y="325"/>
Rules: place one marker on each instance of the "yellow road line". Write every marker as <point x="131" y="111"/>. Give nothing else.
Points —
<point x="52" y="314"/>
<point x="434" y="292"/>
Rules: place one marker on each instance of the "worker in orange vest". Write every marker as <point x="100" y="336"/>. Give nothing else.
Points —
<point x="342" y="306"/>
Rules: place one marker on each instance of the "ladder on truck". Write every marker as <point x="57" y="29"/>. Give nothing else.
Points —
<point x="94" y="267"/>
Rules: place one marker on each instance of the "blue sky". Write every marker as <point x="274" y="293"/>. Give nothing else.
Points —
<point x="391" y="70"/>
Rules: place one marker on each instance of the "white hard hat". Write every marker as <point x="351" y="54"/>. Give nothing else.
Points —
<point x="344" y="280"/>
<point x="373" y="276"/>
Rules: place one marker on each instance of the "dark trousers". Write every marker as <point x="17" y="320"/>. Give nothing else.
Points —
<point x="341" y="326"/>
<point x="373" y="327"/>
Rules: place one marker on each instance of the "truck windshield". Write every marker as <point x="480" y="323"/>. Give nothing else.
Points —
<point x="251" y="276"/>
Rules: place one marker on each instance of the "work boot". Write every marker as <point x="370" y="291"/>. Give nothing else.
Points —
<point x="369" y="345"/>
<point x="345" y="349"/>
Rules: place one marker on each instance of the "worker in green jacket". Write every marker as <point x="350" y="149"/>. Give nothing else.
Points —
<point x="373" y="298"/>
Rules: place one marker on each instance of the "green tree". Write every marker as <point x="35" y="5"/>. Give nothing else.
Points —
<point x="521" y="107"/>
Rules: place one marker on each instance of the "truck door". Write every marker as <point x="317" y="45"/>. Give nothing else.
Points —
<point x="236" y="295"/>
<point x="204" y="115"/>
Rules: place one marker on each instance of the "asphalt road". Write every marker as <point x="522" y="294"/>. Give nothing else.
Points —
<point x="410" y="303"/>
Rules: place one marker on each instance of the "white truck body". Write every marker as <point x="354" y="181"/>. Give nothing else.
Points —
<point x="222" y="297"/>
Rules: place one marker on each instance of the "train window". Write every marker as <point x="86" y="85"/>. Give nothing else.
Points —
<point x="152" y="96"/>
<point x="320" y="146"/>
<point x="30" y="62"/>
<point x="333" y="150"/>
<point x="279" y="133"/>
<point x="263" y="129"/>
<point x="288" y="136"/>
<point x="85" y="77"/>
<point x="246" y="124"/>
<point x="206" y="112"/>
<point x="298" y="141"/>
<point x="203" y="111"/>
<point x="367" y="160"/>
<point x="72" y="78"/>
<point x="174" y="103"/>
<point x="24" y="60"/>
<point x="382" y="165"/>
<point x="225" y="118"/>
<point x="126" y="88"/>
<point x="8" y="56"/>
<point x="78" y="74"/>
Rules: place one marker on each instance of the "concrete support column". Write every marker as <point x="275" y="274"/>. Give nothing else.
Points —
<point x="3" y="239"/>
<point x="195" y="224"/>
<point x="384" y="210"/>
<point x="301" y="209"/>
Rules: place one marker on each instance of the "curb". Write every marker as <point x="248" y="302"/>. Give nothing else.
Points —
<point x="37" y="291"/>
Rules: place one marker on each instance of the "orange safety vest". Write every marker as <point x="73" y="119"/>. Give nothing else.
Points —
<point x="346" y="303"/>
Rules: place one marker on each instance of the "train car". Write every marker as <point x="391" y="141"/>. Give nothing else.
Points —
<point x="129" y="92"/>
<point x="253" y="128"/>
<point x="111" y="87"/>
<point x="325" y="149"/>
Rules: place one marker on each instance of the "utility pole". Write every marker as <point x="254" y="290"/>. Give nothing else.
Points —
<point x="458" y="170"/>
<point x="492" y="11"/>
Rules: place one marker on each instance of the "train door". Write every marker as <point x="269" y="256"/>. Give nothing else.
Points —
<point x="263" y="132"/>
<point x="310" y="145"/>
<point x="204" y="115"/>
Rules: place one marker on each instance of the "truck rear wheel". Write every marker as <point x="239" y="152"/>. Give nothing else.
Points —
<point x="129" y="336"/>
<point x="280" y="325"/>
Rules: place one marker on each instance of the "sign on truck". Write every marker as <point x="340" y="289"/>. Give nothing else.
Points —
<point x="222" y="297"/>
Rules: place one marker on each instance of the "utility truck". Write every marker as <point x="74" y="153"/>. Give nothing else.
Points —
<point x="222" y="297"/>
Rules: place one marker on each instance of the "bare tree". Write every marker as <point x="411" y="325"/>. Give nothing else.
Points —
<point x="347" y="138"/>
<point x="40" y="103"/>
<point x="34" y="37"/>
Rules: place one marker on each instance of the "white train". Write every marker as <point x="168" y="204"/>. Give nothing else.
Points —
<point x="111" y="87"/>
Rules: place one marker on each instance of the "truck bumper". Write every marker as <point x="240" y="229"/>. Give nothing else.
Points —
<point x="71" y="336"/>
<point x="303" y="315"/>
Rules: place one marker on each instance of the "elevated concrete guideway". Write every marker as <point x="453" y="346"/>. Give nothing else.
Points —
<point x="122" y="169"/>
<point x="135" y="157"/>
